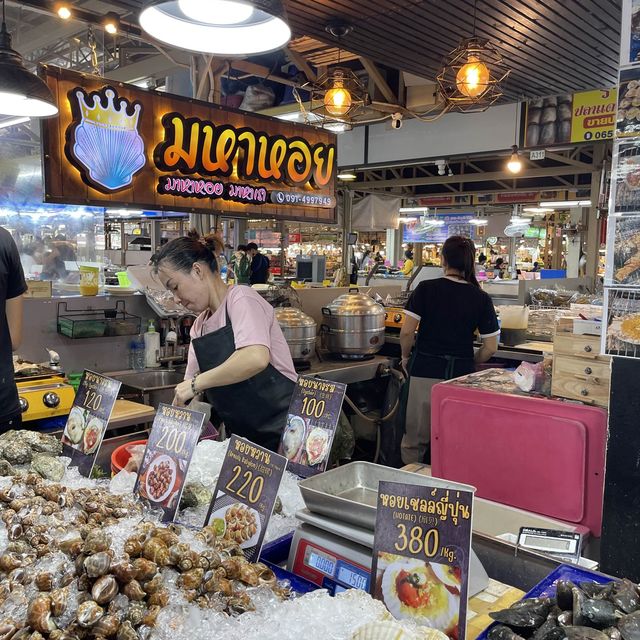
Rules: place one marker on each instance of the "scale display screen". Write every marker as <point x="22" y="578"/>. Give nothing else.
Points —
<point x="558" y="545"/>
<point x="351" y="577"/>
<point x="321" y="563"/>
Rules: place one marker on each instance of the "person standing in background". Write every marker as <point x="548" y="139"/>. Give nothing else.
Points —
<point x="240" y="265"/>
<point x="259" y="265"/>
<point x="407" y="268"/>
<point x="12" y="286"/>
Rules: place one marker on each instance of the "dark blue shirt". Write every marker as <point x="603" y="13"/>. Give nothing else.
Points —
<point x="259" y="269"/>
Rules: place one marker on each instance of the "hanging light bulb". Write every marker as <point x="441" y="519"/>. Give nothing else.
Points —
<point x="111" y="23"/>
<point x="22" y="93"/>
<point x="337" y="100"/>
<point x="64" y="12"/>
<point x="515" y="164"/>
<point x="472" y="80"/>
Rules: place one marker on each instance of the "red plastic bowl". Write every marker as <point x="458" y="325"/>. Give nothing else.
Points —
<point x="121" y="455"/>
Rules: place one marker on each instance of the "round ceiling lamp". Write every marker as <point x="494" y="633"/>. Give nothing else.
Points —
<point x="337" y="99"/>
<point x="472" y="75"/>
<point x="219" y="27"/>
<point x="22" y="93"/>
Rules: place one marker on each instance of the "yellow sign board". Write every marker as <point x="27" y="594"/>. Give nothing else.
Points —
<point x="594" y="115"/>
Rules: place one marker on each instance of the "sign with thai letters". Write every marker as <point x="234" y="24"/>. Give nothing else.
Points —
<point x="114" y="144"/>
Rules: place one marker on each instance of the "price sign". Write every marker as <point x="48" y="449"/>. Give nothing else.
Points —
<point x="245" y="495"/>
<point x="88" y="420"/>
<point x="421" y="554"/>
<point x="173" y="438"/>
<point x="314" y="413"/>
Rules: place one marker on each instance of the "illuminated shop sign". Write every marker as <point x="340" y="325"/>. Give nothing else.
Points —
<point x="114" y="144"/>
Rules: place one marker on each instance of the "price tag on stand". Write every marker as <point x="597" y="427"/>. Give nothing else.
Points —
<point x="172" y="441"/>
<point x="88" y="420"/>
<point x="245" y="494"/>
<point x="421" y="554"/>
<point x="314" y="413"/>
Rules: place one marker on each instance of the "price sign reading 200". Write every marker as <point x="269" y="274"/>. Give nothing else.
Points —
<point x="417" y="541"/>
<point x="172" y="440"/>
<point x="248" y="482"/>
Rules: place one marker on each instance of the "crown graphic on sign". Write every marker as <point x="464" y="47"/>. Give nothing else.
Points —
<point x="115" y="115"/>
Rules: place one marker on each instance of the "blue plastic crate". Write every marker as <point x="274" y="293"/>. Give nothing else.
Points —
<point x="547" y="586"/>
<point x="277" y="551"/>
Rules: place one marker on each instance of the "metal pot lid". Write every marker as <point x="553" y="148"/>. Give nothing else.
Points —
<point x="355" y="304"/>
<point x="291" y="317"/>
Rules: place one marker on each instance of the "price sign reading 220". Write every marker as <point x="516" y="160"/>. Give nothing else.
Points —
<point x="247" y="485"/>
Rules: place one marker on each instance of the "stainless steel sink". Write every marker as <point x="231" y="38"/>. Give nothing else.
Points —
<point x="151" y="380"/>
<point x="149" y="387"/>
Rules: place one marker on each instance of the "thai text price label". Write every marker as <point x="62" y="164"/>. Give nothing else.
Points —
<point x="88" y="420"/>
<point x="172" y="441"/>
<point x="314" y="414"/>
<point x="245" y="495"/>
<point x="421" y="553"/>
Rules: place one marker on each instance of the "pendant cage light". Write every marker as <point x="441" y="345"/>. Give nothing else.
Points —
<point x="22" y="93"/>
<point x="337" y="96"/>
<point x="472" y="75"/>
<point x="219" y="27"/>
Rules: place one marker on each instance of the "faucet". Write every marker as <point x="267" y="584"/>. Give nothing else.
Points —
<point x="173" y="353"/>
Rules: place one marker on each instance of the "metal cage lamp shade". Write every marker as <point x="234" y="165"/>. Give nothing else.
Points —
<point x="22" y="93"/>
<point x="337" y="96"/>
<point x="472" y="76"/>
<point x="219" y="27"/>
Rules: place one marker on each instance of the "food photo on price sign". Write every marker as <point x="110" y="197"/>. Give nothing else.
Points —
<point x="88" y="419"/>
<point x="245" y="495"/>
<point x="314" y="414"/>
<point x="622" y="312"/>
<point x="626" y="173"/>
<point x="172" y="441"/>
<point x="421" y="554"/>
<point x="628" y="119"/>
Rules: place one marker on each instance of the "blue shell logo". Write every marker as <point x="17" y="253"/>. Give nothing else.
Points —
<point x="103" y="142"/>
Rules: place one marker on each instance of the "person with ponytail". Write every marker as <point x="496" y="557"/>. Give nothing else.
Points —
<point x="238" y="357"/>
<point x="446" y="312"/>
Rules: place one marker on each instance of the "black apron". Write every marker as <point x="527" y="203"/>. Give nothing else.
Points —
<point x="256" y="408"/>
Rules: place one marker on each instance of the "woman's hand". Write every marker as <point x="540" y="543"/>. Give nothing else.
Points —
<point x="183" y="394"/>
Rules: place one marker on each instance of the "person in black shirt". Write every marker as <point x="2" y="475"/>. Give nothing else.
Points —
<point x="12" y="286"/>
<point x="447" y="312"/>
<point x="259" y="265"/>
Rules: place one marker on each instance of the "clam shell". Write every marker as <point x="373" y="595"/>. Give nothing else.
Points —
<point x="391" y="630"/>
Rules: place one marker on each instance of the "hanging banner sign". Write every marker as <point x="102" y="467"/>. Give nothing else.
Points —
<point x="586" y="116"/>
<point x="115" y="144"/>
<point x="421" y="554"/>
<point x="163" y="473"/>
<point x="88" y="420"/>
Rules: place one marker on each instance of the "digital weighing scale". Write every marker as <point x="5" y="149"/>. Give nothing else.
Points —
<point x="337" y="556"/>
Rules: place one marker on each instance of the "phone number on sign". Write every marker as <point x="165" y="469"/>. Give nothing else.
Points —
<point x="302" y="199"/>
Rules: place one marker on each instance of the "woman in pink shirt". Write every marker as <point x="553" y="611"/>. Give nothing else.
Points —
<point x="238" y="357"/>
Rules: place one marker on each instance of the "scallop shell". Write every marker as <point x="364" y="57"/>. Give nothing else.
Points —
<point x="98" y="564"/>
<point x="89" y="613"/>
<point x="104" y="589"/>
<point x="109" y="153"/>
<point x="391" y="630"/>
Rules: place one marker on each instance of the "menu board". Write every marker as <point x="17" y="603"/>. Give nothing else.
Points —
<point x="88" y="420"/>
<point x="421" y="554"/>
<point x="163" y="472"/>
<point x="314" y="413"/>
<point x="439" y="227"/>
<point x="245" y="495"/>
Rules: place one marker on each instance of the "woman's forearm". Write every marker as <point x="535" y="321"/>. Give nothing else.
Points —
<point x="241" y="365"/>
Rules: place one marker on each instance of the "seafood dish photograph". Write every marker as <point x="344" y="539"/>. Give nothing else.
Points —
<point x="317" y="445"/>
<point x="549" y="120"/>
<point x="623" y="323"/>
<point x="84" y="431"/>
<point x="626" y="173"/>
<point x="628" y="121"/>
<point x="625" y="268"/>
<point x="237" y="523"/>
<point x="425" y="592"/>
<point x="293" y="438"/>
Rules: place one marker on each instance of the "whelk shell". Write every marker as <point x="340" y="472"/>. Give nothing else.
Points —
<point x="98" y="564"/>
<point x="144" y="569"/>
<point x="156" y="550"/>
<point x="59" y="601"/>
<point x="104" y="589"/>
<point x="39" y="614"/>
<point x="89" y="613"/>
<point x="192" y="579"/>
<point x="96" y="541"/>
<point x="107" y="626"/>
<point x="124" y="571"/>
<point x="134" y="591"/>
<point x="127" y="632"/>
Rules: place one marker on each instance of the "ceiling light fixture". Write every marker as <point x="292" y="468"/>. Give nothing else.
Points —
<point x="413" y="209"/>
<point x="22" y="93"/>
<point x="472" y="74"/>
<point x="540" y="210"/>
<point x="514" y="165"/>
<point x="347" y="175"/>
<point x="220" y="27"/>
<point x="566" y="204"/>
<point x="479" y="222"/>
<point x="406" y="219"/>
<point x="111" y="23"/>
<point x="63" y="12"/>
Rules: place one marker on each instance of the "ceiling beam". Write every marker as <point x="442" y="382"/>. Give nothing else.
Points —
<point x="491" y="176"/>
<point x="379" y="80"/>
<point x="566" y="160"/>
<point x="301" y="62"/>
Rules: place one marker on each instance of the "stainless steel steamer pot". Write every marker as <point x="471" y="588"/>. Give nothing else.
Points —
<point x="299" y="331"/>
<point x="354" y="325"/>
